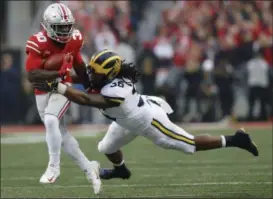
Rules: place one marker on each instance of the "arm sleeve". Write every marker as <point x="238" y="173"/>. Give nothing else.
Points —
<point x="33" y="62"/>
<point x="33" y="50"/>
<point x="78" y="60"/>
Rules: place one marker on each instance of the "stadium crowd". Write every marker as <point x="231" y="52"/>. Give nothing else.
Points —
<point x="217" y="44"/>
<point x="202" y="53"/>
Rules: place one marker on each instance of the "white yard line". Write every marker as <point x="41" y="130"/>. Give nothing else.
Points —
<point x="197" y="168"/>
<point x="208" y="194"/>
<point x="182" y="163"/>
<point x="141" y="185"/>
<point x="208" y="174"/>
<point x="182" y="167"/>
<point x="211" y="174"/>
<point x="173" y="162"/>
<point x="38" y="138"/>
<point x="94" y="130"/>
<point x="201" y="167"/>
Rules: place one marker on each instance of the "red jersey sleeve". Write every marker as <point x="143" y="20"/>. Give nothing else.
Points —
<point x="35" y="43"/>
<point x="78" y="40"/>
<point x="34" y="54"/>
<point x="33" y="61"/>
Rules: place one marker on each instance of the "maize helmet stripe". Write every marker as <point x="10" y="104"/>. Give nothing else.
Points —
<point x="107" y="63"/>
<point x="104" y="56"/>
<point x="98" y="55"/>
<point x="115" y="99"/>
<point x="104" y="64"/>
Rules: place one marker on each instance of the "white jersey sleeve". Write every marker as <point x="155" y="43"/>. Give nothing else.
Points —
<point x="117" y="90"/>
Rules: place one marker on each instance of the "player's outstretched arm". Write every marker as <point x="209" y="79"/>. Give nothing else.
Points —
<point x="79" y="97"/>
<point x="74" y="95"/>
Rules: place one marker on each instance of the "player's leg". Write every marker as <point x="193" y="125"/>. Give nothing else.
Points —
<point x="56" y="107"/>
<point x="168" y="135"/>
<point x="42" y="102"/>
<point x="208" y="142"/>
<point x="115" y="138"/>
<point x="71" y="147"/>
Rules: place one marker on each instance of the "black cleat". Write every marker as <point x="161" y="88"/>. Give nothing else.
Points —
<point x="107" y="174"/>
<point x="243" y="141"/>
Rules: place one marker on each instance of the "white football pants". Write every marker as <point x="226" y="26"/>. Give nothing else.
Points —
<point x="161" y="132"/>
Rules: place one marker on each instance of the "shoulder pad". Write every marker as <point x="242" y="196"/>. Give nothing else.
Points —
<point x="36" y="43"/>
<point x="77" y="38"/>
<point x="117" y="90"/>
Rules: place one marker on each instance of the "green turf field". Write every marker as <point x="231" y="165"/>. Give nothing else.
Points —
<point x="156" y="172"/>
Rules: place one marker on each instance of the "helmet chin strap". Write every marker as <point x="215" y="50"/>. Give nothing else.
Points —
<point x="44" y="27"/>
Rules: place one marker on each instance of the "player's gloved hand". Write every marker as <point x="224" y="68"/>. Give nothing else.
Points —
<point x="46" y="86"/>
<point x="66" y="67"/>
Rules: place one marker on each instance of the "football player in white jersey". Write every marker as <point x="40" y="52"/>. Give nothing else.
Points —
<point x="136" y="115"/>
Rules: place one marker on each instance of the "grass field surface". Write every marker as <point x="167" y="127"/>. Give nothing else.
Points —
<point x="229" y="172"/>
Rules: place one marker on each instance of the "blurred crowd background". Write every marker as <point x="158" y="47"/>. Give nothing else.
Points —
<point x="211" y="60"/>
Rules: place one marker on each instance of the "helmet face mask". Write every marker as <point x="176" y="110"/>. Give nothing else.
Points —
<point x="98" y="80"/>
<point x="58" y="22"/>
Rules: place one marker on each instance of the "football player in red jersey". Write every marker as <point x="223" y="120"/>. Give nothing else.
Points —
<point x="58" y="36"/>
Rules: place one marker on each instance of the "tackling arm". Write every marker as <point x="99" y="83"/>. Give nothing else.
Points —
<point x="74" y="95"/>
<point x="79" y="97"/>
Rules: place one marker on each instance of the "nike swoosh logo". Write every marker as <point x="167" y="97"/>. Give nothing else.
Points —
<point x="50" y="179"/>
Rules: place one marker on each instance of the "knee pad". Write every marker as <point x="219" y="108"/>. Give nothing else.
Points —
<point x="51" y="121"/>
<point x="106" y="148"/>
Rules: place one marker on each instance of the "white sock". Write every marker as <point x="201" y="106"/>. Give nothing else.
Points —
<point x="121" y="163"/>
<point x="53" y="139"/>
<point x="223" y="139"/>
<point x="71" y="147"/>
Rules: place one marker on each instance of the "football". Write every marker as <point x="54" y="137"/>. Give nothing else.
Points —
<point x="54" y="62"/>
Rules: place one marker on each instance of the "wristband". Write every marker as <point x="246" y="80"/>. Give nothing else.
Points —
<point x="61" y="88"/>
